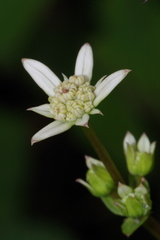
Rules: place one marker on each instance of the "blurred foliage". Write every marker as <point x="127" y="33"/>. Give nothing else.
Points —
<point x="39" y="198"/>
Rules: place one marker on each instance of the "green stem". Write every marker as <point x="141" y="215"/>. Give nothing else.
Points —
<point x="103" y="154"/>
<point x="131" y="181"/>
<point x="138" y="180"/>
<point x="134" y="181"/>
<point x="151" y="224"/>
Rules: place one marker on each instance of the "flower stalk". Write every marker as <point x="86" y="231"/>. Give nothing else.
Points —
<point x="152" y="226"/>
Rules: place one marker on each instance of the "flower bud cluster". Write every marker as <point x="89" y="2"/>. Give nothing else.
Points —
<point x="123" y="200"/>
<point x="133" y="202"/>
<point x="72" y="99"/>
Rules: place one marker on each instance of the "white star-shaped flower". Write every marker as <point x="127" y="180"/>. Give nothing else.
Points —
<point x="70" y="101"/>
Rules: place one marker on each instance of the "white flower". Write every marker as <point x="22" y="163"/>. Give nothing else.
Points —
<point x="70" y="101"/>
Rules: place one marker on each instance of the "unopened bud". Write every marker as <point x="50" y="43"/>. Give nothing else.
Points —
<point x="98" y="178"/>
<point x="136" y="202"/>
<point x="139" y="156"/>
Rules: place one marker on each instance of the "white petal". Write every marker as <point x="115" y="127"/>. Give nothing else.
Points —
<point x="152" y="147"/>
<point x="50" y="130"/>
<point x="100" y="80"/>
<point x="92" y="161"/>
<point x="84" y="62"/>
<point x="42" y="75"/>
<point x="42" y="109"/>
<point x="129" y="139"/>
<point x="108" y="84"/>
<point x="65" y="77"/>
<point x="95" y="111"/>
<point x="83" y="121"/>
<point x="90" y="188"/>
<point x="143" y="144"/>
<point x="85" y="184"/>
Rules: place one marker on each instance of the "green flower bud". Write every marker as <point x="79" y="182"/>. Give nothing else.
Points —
<point x="99" y="181"/>
<point x="140" y="156"/>
<point x="136" y="202"/>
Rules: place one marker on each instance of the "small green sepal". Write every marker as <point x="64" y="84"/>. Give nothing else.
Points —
<point x="113" y="206"/>
<point x="102" y="188"/>
<point x="130" y="225"/>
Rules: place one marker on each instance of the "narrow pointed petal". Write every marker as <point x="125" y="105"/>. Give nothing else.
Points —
<point x="92" y="161"/>
<point x="50" y="130"/>
<point x="152" y="147"/>
<point x="42" y="75"/>
<point x="42" y="110"/>
<point x="100" y="80"/>
<point x="84" y="62"/>
<point x="85" y="184"/>
<point x="83" y="121"/>
<point x="65" y="77"/>
<point x="96" y="111"/>
<point x="143" y="144"/>
<point x="108" y="84"/>
<point x="129" y="139"/>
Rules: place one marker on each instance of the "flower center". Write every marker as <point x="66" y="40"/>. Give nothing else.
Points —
<point x="72" y="99"/>
<point x="65" y="90"/>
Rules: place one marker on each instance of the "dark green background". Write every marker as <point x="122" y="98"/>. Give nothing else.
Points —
<point x="39" y="198"/>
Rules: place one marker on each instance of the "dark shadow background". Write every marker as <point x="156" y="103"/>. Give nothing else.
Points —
<point x="39" y="197"/>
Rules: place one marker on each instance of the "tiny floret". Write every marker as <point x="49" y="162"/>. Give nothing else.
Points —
<point x="71" y="101"/>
